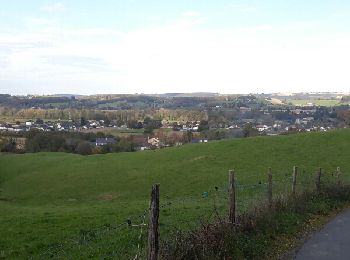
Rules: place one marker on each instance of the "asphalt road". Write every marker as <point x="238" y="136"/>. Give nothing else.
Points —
<point x="331" y="242"/>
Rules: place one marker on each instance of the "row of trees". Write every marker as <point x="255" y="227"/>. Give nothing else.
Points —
<point x="122" y="116"/>
<point x="80" y="143"/>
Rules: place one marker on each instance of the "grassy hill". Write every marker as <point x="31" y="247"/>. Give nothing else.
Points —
<point x="48" y="199"/>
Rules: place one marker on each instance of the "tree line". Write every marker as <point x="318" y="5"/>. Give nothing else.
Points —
<point x="69" y="142"/>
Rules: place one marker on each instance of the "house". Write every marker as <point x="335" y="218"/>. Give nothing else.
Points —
<point x="262" y="128"/>
<point x="105" y="141"/>
<point x="199" y="140"/>
<point x="154" y="141"/>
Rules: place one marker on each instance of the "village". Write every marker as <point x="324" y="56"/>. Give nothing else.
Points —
<point x="241" y="121"/>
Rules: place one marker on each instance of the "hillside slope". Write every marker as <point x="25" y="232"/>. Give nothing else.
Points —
<point x="46" y="197"/>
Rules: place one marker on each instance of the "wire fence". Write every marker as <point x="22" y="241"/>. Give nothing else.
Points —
<point x="128" y="239"/>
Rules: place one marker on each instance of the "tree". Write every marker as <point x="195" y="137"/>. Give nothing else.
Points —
<point x="39" y="121"/>
<point x="132" y="124"/>
<point x="125" y="146"/>
<point x="84" y="148"/>
<point x="9" y="146"/>
<point x="344" y="116"/>
<point x="204" y="125"/>
<point x="187" y="137"/>
<point x="83" y="121"/>
<point x="249" y="131"/>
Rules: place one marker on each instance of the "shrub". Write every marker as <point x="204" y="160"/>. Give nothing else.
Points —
<point x="84" y="148"/>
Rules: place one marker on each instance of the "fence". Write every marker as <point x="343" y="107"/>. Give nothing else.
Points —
<point x="139" y="236"/>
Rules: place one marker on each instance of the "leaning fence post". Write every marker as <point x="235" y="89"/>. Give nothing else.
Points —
<point x="232" y="197"/>
<point x="338" y="176"/>
<point x="318" y="180"/>
<point x="294" y="179"/>
<point x="153" y="235"/>
<point x="269" y="187"/>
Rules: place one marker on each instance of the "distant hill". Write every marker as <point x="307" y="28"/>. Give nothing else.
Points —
<point x="66" y="95"/>
<point x="194" y="94"/>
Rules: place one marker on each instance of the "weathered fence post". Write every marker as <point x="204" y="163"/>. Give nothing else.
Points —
<point x="294" y="179"/>
<point x="318" y="180"/>
<point x="269" y="187"/>
<point x="153" y="235"/>
<point x="232" y="197"/>
<point x="338" y="176"/>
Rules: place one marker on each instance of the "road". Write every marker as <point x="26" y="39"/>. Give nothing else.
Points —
<point x="331" y="242"/>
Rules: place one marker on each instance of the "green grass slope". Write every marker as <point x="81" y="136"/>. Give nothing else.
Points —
<point x="46" y="198"/>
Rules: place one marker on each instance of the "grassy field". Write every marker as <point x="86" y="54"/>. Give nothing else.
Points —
<point x="318" y="102"/>
<point x="115" y="131"/>
<point x="57" y="200"/>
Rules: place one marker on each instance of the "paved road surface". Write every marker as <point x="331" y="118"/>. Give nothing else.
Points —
<point x="331" y="242"/>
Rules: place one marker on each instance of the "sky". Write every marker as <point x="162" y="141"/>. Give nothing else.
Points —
<point x="162" y="46"/>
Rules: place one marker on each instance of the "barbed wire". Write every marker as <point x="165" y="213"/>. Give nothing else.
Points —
<point x="140" y="236"/>
<point x="213" y="201"/>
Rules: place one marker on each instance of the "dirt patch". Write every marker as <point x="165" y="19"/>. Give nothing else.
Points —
<point x="276" y="101"/>
<point x="198" y="158"/>
<point x="107" y="196"/>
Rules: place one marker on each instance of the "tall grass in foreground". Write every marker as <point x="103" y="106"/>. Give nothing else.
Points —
<point x="257" y="229"/>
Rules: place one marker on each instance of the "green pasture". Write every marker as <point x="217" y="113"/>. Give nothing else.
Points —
<point x="317" y="102"/>
<point x="59" y="205"/>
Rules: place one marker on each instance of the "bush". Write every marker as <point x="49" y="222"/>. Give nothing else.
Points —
<point x="256" y="229"/>
<point x="84" y="148"/>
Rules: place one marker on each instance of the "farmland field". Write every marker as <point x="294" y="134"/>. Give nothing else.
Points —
<point x="318" y="102"/>
<point x="115" y="131"/>
<point x="53" y="200"/>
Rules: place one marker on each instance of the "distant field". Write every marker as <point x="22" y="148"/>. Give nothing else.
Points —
<point x="49" y="199"/>
<point x="125" y="132"/>
<point x="319" y="102"/>
<point x="115" y="131"/>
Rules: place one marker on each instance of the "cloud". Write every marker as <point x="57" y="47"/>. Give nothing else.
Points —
<point x="155" y="18"/>
<point x="11" y="43"/>
<point x="92" y="32"/>
<point x="38" y="21"/>
<point x="256" y="28"/>
<point x="4" y="62"/>
<point x="174" y="56"/>
<point x="55" y="7"/>
<point x="243" y="8"/>
<point x="187" y="19"/>
<point x="76" y="61"/>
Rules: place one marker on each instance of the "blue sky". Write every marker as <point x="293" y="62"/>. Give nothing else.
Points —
<point x="154" y="46"/>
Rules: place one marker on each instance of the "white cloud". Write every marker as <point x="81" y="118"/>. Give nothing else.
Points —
<point x="55" y="7"/>
<point x="175" y="57"/>
<point x="243" y="8"/>
<point x="256" y="28"/>
<point x="155" y="18"/>
<point x="38" y="21"/>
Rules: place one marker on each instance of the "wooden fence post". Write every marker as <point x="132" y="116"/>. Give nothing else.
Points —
<point x="232" y="197"/>
<point x="153" y="235"/>
<point x="269" y="187"/>
<point x="294" y="179"/>
<point x="318" y="180"/>
<point x="338" y="176"/>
